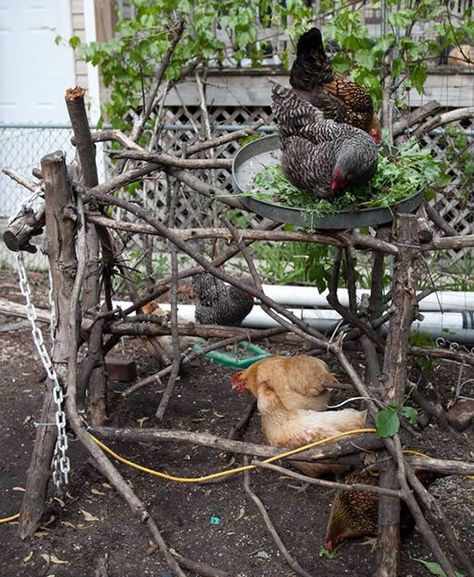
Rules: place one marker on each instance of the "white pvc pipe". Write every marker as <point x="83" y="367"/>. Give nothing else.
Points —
<point x="325" y="319"/>
<point x="445" y="314"/>
<point x="446" y="301"/>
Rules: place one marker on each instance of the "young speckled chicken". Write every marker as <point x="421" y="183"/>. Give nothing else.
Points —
<point x="339" y="98"/>
<point x="353" y="513"/>
<point x="294" y="428"/>
<point x="299" y="381"/>
<point x="320" y="155"/>
<point x="219" y="303"/>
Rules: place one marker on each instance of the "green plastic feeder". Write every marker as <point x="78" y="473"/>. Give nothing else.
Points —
<point x="248" y="355"/>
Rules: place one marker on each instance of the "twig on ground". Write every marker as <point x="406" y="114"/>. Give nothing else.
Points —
<point x="238" y="429"/>
<point x="271" y="528"/>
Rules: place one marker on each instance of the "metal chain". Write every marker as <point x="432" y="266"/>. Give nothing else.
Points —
<point x="61" y="463"/>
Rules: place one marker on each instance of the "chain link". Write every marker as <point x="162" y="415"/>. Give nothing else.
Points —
<point x="61" y="463"/>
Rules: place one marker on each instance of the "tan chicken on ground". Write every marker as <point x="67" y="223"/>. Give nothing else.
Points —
<point x="299" y="381"/>
<point x="294" y="428"/>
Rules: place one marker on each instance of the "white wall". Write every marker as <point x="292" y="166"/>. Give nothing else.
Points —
<point x="34" y="71"/>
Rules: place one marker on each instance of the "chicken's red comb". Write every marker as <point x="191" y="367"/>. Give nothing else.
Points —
<point x="237" y="382"/>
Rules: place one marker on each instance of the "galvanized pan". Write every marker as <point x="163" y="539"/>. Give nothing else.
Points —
<point x="255" y="155"/>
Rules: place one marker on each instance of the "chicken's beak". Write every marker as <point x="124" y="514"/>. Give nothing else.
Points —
<point x="376" y="136"/>
<point x="237" y="384"/>
<point x="330" y="545"/>
<point x="338" y="181"/>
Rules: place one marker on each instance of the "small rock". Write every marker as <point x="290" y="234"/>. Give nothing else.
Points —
<point x="461" y="414"/>
<point x="263" y="555"/>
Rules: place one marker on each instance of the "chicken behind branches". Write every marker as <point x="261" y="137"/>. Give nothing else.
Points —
<point x="299" y="381"/>
<point x="294" y="428"/>
<point x="353" y="513"/>
<point x="320" y="155"/>
<point x="339" y="98"/>
<point x="219" y="303"/>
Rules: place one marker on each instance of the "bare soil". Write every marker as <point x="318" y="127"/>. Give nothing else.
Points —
<point x="214" y="523"/>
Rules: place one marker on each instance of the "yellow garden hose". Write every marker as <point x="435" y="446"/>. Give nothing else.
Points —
<point x="212" y="475"/>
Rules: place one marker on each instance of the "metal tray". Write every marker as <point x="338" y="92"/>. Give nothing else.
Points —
<point x="255" y="155"/>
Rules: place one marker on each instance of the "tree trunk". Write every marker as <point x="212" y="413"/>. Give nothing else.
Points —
<point x="60" y="248"/>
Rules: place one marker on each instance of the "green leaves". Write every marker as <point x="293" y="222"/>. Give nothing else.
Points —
<point x="435" y="568"/>
<point x="325" y="554"/>
<point x="387" y="422"/>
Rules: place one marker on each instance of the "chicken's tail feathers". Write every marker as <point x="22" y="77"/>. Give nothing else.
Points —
<point x="309" y="42"/>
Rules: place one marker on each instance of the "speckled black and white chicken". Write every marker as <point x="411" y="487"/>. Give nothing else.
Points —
<point x="320" y="155"/>
<point x="219" y="303"/>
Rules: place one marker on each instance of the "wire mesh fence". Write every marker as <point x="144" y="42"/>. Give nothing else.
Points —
<point x="22" y="148"/>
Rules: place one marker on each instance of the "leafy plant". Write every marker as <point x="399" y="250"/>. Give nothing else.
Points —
<point x="295" y="262"/>
<point x="215" y="31"/>
<point x="395" y="54"/>
<point x="435" y="568"/>
<point x="425" y="340"/>
<point x="326" y="554"/>
<point x="388" y="420"/>
<point x="399" y="175"/>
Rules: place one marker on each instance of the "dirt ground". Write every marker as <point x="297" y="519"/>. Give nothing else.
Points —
<point x="213" y="523"/>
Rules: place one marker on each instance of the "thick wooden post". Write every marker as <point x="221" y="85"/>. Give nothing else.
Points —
<point x="407" y="271"/>
<point x="60" y="248"/>
<point x="94" y="378"/>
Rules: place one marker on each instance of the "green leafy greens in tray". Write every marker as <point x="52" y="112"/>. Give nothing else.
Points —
<point x="401" y="173"/>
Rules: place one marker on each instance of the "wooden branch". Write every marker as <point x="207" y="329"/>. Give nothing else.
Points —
<point x="271" y="529"/>
<point x="440" y="466"/>
<point x="102" y="462"/>
<point x="404" y="472"/>
<point x="443" y="119"/>
<point x="163" y="159"/>
<point x="355" y="487"/>
<point x="189" y="357"/>
<point x="364" y="242"/>
<point x="238" y="429"/>
<point x="176" y="362"/>
<point x="407" y="270"/>
<point x="439" y="221"/>
<point x="197" y="567"/>
<point x="436" y="353"/>
<point x="27" y="224"/>
<point x="20" y="179"/>
<point x="226" y="138"/>
<point x="96" y="381"/>
<point x="206" y="189"/>
<point x="39" y="471"/>
<point x="448" y="243"/>
<point x="415" y="117"/>
<point x="142" y="326"/>
<point x="176" y="34"/>
<point x="82" y="135"/>
<point x="16" y="310"/>
<point x="348" y="315"/>
<point x="60" y="227"/>
<point x="340" y="448"/>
